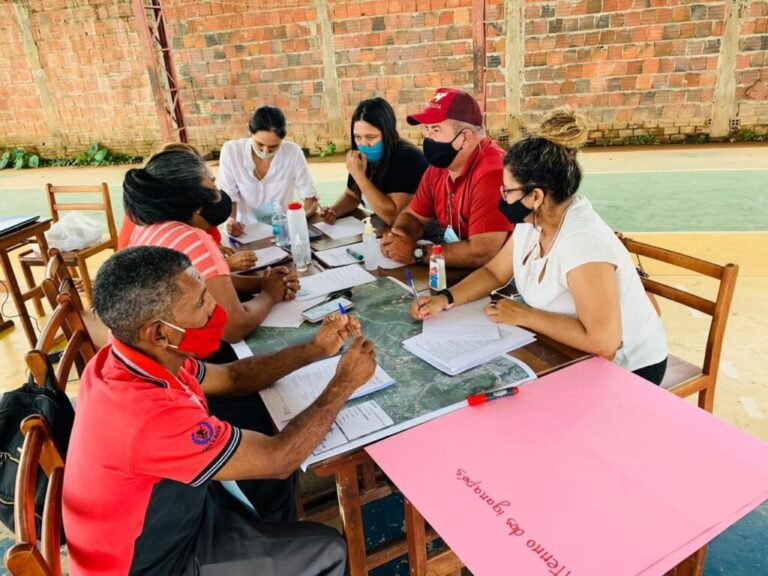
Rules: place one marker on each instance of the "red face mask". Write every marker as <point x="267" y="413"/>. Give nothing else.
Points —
<point x="204" y="341"/>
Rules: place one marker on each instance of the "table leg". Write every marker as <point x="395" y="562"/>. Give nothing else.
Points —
<point x="18" y="299"/>
<point x="351" y="510"/>
<point x="415" y="531"/>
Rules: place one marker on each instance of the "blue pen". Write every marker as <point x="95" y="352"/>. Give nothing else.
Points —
<point x="344" y="313"/>
<point x="413" y="287"/>
<point x="233" y="242"/>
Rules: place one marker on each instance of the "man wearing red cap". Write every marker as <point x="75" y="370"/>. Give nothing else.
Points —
<point x="460" y="188"/>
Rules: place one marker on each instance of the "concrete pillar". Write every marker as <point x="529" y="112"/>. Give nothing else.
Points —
<point x="515" y="31"/>
<point x="332" y="93"/>
<point x="724" y="104"/>
<point x="32" y="54"/>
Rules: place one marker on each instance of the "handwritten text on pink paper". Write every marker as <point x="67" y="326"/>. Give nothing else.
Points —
<point x="513" y="528"/>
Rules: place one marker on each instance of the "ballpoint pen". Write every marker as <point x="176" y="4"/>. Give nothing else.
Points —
<point x="356" y="255"/>
<point x="344" y="313"/>
<point x="413" y="287"/>
<point x="233" y="242"/>
<point x="477" y="399"/>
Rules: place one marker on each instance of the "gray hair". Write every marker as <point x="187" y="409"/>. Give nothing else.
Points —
<point x="458" y="126"/>
<point x="137" y="285"/>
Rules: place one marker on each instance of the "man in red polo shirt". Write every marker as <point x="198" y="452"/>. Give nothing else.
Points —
<point x="139" y="496"/>
<point x="460" y="188"/>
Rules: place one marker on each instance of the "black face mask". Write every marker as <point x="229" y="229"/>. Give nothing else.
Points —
<point x="440" y="154"/>
<point x="515" y="212"/>
<point x="216" y="213"/>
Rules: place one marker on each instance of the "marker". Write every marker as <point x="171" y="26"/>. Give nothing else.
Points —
<point x="356" y="255"/>
<point x="413" y="287"/>
<point x="478" y="399"/>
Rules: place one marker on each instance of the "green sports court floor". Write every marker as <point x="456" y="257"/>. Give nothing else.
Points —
<point x="707" y="201"/>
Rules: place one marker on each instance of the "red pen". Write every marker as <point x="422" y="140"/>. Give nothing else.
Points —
<point x="477" y="399"/>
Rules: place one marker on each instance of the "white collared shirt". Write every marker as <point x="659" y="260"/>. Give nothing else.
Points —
<point x="288" y="172"/>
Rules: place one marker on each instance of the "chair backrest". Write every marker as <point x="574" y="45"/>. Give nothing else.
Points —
<point x="34" y="553"/>
<point x="58" y="280"/>
<point x="718" y="309"/>
<point x="56" y="205"/>
<point x="79" y="345"/>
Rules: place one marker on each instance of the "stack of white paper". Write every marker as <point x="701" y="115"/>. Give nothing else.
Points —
<point x="333" y="281"/>
<point x="340" y="257"/>
<point x="342" y="228"/>
<point x="288" y="314"/>
<point x="457" y="356"/>
<point x="293" y="393"/>
<point x="465" y="322"/>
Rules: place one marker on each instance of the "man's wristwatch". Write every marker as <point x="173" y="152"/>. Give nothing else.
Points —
<point x="448" y="296"/>
<point x="418" y="254"/>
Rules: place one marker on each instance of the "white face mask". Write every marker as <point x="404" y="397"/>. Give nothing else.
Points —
<point x="261" y="154"/>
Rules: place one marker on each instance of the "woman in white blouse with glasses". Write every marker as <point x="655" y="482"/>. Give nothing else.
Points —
<point x="258" y="171"/>
<point x="577" y="279"/>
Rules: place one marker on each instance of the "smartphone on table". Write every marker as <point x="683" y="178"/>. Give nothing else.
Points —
<point x="320" y="311"/>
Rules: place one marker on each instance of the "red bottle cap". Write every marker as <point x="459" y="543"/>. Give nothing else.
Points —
<point x="437" y="249"/>
<point x="295" y="206"/>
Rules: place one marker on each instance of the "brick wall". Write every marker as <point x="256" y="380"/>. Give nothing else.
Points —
<point x="21" y="117"/>
<point x="636" y="67"/>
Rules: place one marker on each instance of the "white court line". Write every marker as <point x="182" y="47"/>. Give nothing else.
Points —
<point x="752" y="407"/>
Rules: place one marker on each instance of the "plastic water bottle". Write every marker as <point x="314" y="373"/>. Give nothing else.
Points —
<point x="280" y="226"/>
<point x="437" y="269"/>
<point x="370" y="246"/>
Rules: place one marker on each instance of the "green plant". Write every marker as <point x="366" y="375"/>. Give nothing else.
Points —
<point x="640" y="140"/>
<point x="93" y="156"/>
<point x="19" y="158"/>
<point x="329" y="151"/>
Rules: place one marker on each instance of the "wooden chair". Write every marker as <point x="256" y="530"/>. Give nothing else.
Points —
<point x="58" y="279"/>
<point x="684" y="378"/>
<point x="37" y="554"/>
<point x="78" y="350"/>
<point x="77" y="258"/>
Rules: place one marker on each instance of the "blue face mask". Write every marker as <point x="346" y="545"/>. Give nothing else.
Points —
<point x="373" y="153"/>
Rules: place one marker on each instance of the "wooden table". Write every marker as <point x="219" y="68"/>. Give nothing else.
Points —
<point x="8" y="242"/>
<point x="358" y="481"/>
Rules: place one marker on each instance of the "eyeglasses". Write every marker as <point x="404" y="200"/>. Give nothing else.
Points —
<point x="506" y="191"/>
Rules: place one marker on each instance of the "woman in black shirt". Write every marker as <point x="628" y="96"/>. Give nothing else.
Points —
<point x="384" y="169"/>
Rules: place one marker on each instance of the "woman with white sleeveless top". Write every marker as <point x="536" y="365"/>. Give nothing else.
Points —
<point x="577" y="280"/>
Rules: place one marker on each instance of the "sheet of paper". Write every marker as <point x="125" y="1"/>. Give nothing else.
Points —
<point x="288" y="314"/>
<point x="255" y="231"/>
<point x="362" y="419"/>
<point x="342" y="228"/>
<point x="333" y="280"/>
<point x="291" y="394"/>
<point x="340" y="257"/>
<point x="465" y="322"/>
<point x="242" y="350"/>
<point x="457" y="356"/>
<point x="267" y="256"/>
<point x="589" y="462"/>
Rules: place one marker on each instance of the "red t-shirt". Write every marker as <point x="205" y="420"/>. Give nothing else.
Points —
<point x="142" y="451"/>
<point x="128" y="226"/>
<point x="474" y="196"/>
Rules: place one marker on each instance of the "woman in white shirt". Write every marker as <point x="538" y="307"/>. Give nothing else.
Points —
<point x="578" y="282"/>
<point x="258" y="171"/>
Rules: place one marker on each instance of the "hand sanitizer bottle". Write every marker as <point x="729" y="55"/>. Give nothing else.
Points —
<point x="370" y="246"/>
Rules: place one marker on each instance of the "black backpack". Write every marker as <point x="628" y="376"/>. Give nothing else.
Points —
<point x="51" y="403"/>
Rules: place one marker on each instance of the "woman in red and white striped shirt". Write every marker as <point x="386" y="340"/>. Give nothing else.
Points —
<point x="174" y="200"/>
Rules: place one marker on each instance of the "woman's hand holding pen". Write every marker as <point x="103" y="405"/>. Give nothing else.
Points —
<point x="428" y="307"/>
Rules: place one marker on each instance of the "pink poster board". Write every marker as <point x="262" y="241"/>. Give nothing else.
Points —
<point x="588" y="471"/>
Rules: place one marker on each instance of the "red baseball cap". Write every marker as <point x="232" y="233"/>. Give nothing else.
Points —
<point x="449" y="103"/>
